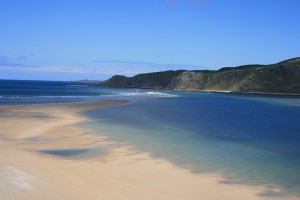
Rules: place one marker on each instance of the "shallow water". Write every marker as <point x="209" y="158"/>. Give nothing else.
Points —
<point x="250" y="139"/>
<point x="75" y="153"/>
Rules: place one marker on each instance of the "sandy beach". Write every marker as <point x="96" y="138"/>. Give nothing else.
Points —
<point x="122" y="173"/>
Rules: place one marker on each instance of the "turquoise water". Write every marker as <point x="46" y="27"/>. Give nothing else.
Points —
<point x="249" y="139"/>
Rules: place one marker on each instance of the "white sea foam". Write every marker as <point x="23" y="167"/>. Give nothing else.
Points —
<point x="46" y="97"/>
<point x="76" y="86"/>
<point x="150" y="94"/>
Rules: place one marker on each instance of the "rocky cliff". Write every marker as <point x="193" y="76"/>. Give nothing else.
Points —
<point x="282" y="77"/>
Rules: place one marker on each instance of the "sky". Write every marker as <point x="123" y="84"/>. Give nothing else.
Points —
<point x="95" y="39"/>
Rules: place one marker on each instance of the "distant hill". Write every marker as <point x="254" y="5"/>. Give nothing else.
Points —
<point x="282" y="77"/>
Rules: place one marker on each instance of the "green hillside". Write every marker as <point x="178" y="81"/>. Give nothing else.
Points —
<point x="282" y="77"/>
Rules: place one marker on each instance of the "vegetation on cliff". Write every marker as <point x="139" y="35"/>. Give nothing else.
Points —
<point x="282" y="77"/>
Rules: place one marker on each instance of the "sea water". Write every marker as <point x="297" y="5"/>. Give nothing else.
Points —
<point x="248" y="139"/>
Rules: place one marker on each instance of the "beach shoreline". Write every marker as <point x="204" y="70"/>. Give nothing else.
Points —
<point x="122" y="173"/>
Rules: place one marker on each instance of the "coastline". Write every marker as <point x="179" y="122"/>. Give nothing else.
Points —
<point x="244" y="93"/>
<point x="211" y="91"/>
<point x="121" y="174"/>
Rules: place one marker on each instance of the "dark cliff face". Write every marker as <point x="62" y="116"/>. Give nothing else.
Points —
<point x="283" y="77"/>
<point x="115" y="81"/>
<point x="156" y="80"/>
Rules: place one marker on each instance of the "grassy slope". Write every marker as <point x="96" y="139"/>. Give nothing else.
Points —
<point x="282" y="77"/>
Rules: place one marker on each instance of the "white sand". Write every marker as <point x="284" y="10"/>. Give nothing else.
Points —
<point x="122" y="174"/>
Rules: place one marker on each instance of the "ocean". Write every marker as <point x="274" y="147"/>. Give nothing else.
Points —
<point x="249" y="139"/>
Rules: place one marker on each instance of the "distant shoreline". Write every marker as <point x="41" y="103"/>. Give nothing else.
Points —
<point x="179" y="90"/>
<point x="250" y="93"/>
<point x="211" y="91"/>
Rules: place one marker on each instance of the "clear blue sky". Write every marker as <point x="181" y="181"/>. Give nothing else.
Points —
<point x="94" y="39"/>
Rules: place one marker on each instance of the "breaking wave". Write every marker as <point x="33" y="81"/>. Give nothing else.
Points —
<point x="147" y="94"/>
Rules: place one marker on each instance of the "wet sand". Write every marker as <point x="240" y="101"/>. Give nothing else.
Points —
<point x="122" y="173"/>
